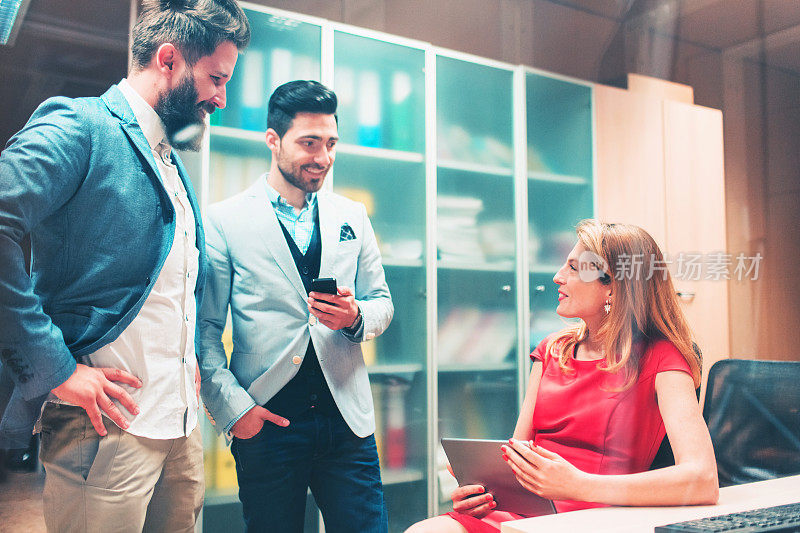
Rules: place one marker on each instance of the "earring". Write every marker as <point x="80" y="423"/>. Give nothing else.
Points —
<point x="607" y="307"/>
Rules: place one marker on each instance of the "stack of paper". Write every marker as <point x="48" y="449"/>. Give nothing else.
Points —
<point x="458" y="229"/>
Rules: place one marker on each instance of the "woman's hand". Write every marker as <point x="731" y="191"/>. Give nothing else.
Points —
<point x="542" y="472"/>
<point x="473" y="500"/>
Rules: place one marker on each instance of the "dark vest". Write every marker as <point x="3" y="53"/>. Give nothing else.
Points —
<point x="308" y="388"/>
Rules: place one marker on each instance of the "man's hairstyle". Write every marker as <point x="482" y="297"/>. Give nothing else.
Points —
<point x="299" y="96"/>
<point x="195" y="27"/>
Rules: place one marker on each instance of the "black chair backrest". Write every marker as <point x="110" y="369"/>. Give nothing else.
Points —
<point x="752" y="409"/>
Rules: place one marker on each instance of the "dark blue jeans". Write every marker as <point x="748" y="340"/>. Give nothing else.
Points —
<point x="277" y="466"/>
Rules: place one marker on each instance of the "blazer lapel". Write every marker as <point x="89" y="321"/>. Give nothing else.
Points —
<point x="118" y="105"/>
<point x="329" y="226"/>
<point x="266" y="224"/>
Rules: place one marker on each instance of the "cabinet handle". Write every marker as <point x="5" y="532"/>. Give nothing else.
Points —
<point x="685" y="296"/>
<point x="539" y="288"/>
<point x="506" y="288"/>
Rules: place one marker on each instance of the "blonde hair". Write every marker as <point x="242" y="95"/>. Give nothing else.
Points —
<point x="644" y="305"/>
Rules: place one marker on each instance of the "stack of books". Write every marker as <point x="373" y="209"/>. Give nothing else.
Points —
<point x="471" y="336"/>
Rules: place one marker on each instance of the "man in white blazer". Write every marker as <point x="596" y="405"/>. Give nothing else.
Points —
<point x="295" y="396"/>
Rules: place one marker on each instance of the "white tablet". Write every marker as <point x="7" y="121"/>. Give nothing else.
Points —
<point x="480" y="462"/>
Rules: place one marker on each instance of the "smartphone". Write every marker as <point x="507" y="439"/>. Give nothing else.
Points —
<point x="326" y="285"/>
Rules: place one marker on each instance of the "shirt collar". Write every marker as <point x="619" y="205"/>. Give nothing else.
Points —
<point x="146" y="116"/>
<point x="277" y="200"/>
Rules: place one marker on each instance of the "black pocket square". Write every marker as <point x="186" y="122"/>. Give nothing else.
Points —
<point x="346" y="233"/>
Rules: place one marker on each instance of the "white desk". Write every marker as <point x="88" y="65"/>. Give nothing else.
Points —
<point x="644" y="519"/>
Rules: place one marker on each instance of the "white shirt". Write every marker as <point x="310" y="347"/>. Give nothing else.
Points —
<point x="158" y="345"/>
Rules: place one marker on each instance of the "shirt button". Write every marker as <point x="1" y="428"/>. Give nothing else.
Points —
<point x="312" y="320"/>
<point x="185" y="317"/>
<point x="312" y="397"/>
<point x="305" y="270"/>
<point x="297" y="359"/>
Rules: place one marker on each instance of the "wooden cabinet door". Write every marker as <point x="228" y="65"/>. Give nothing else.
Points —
<point x="695" y="224"/>
<point x="630" y="160"/>
<point x="660" y="166"/>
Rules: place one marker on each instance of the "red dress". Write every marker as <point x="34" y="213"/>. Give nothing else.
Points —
<point x="582" y="417"/>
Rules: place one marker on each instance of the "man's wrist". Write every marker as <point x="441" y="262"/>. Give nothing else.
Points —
<point x="357" y="322"/>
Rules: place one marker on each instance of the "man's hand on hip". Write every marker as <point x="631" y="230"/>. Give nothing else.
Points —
<point x="90" y="389"/>
<point x="253" y="420"/>
<point x="197" y="381"/>
<point x="336" y="311"/>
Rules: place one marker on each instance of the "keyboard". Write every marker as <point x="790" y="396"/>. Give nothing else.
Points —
<point x="770" y="519"/>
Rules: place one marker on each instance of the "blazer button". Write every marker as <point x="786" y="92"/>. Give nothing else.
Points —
<point x="297" y="359"/>
<point x="312" y="320"/>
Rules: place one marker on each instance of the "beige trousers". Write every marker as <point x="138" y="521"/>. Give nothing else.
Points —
<point x="120" y="482"/>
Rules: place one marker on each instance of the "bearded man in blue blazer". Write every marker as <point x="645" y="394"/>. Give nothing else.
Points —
<point x="105" y="321"/>
<point x="296" y="395"/>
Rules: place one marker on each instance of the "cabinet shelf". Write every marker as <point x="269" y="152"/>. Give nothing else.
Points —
<point x="380" y="153"/>
<point x="403" y="263"/>
<point x="537" y="175"/>
<point x="410" y="368"/>
<point x="238" y="134"/>
<point x="545" y="269"/>
<point x="343" y="148"/>
<point x="220" y="497"/>
<point x="396" y="476"/>
<point x="478" y="265"/>
<point x="476" y="168"/>
<point x="487" y="367"/>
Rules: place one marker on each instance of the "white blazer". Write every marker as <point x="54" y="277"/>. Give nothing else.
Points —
<point x="251" y="270"/>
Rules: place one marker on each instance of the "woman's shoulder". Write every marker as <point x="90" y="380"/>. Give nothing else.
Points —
<point x="543" y="350"/>
<point x="661" y="355"/>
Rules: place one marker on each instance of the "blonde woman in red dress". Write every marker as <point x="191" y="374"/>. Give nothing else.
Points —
<point x="603" y="393"/>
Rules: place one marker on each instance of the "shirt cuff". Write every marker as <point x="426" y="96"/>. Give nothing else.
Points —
<point x="228" y="428"/>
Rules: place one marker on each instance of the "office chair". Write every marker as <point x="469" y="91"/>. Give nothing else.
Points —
<point x="752" y="409"/>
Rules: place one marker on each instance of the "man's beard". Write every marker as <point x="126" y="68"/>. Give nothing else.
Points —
<point x="293" y="174"/>
<point x="181" y="114"/>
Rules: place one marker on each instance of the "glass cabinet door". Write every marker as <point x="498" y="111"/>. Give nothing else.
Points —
<point x="380" y="162"/>
<point x="476" y="241"/>
<point x="281" y="49"/>
<point x="560" y="187"/>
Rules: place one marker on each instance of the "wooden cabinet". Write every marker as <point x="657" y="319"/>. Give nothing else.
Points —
<point x="660" y="166"/>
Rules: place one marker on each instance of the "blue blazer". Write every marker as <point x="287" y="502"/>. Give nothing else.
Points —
<point x="81" y="179"/>
<point x="251" y="271"/>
